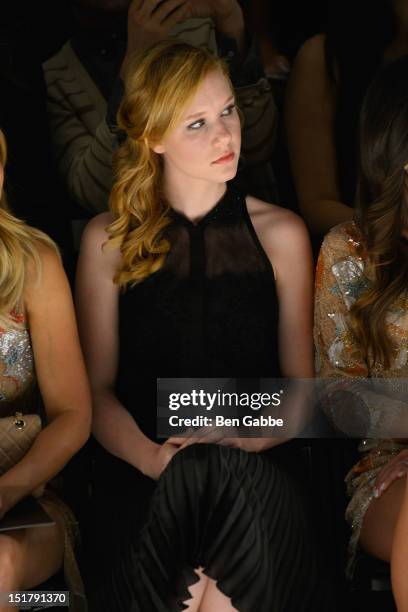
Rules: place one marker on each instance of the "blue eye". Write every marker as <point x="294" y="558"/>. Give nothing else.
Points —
<point x="228" y="111"/>
<point x="200" y="122"/>
<point x="196" y="125"/>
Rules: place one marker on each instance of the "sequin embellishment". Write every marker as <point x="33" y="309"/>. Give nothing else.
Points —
<point x="16" y="363"/>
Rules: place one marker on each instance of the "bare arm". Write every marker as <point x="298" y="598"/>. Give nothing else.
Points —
<point x="284" y="237"/>
<point x="310" y="107"/>
<point x="292" y="261"/>
<point x="62" y="380"/>
<point x="97" y="307"/>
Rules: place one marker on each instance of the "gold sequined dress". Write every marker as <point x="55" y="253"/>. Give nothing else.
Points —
<point x="343" y="273"/>
<point x="17" y="393"/>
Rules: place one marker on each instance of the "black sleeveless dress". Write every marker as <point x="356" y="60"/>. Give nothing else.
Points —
<point x="212" y="311"/>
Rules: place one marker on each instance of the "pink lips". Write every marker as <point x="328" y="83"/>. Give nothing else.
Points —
<point x="225" y="158"/>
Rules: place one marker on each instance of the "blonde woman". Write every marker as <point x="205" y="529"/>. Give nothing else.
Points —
<point x="196" y="280"/>
<point x="39" y="344"/>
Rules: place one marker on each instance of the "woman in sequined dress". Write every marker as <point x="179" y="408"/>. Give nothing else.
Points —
<point x="361" y="326"/>
<point x="189" y="278"/>
<point x="39" y="344"/>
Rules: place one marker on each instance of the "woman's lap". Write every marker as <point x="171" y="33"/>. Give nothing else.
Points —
<point x="236" y="514"/>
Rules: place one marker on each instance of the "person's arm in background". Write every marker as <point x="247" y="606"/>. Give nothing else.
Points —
<point x="82" y="122"/>
<point x="261" y="14"/>
<point x="97" y="310"/>
<point x="83" y="153"/>
<point x="147" y="26"/>
<point x="310" y="109"/>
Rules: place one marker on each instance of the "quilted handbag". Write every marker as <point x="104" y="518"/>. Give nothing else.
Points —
<point x="17" y="434"/>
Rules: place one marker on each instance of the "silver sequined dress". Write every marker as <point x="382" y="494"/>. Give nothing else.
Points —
<point x="344" y="273"/>
<point x="16" y="364"/>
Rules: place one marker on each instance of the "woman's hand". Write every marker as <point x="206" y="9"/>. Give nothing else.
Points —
<point x="396" y="468"/>
<point x="203" y="435"/>
<point x="219" y="10"/>
<point x="150" y="21"/>
<point x="217" y="435"/>
<point x="226" y="14"/>
<point x="157" y="458"/>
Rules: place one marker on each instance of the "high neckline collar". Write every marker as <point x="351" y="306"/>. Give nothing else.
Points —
<point x="223" y="210"/>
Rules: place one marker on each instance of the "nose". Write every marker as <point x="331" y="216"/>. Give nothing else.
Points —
<point x="222" y="134"/>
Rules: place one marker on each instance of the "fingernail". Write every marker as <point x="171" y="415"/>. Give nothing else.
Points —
<point x="382" y="487"/>
<point x="376" y="494"/>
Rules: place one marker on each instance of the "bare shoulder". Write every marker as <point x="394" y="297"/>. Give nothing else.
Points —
<point x="95" y="246"/>
<point x="277" y="228"/>
<point x="310" y="70"/>
<point x="45" y="282"/>
<point x="95" y="231"/>
<point x="313" y="50"/>
<point x="46" y="268"/>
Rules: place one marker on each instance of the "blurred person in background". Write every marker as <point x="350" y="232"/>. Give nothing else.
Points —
<point x="329" y="79"/>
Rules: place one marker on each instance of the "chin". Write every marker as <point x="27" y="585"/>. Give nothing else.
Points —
<point x="226" y="170"/>
<point x="229" y="173"/>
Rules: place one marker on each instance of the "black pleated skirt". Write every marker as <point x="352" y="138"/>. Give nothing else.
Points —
<point x="235" y="514"/>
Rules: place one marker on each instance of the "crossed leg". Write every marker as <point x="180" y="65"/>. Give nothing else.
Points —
<point x="399" y="555"/>
<point x="385" y="536"/>
<point x="206" y="597"/>
<point x="29" y="556"/>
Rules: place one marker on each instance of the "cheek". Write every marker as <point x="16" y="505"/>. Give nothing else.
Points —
<point x="191" y="148"/>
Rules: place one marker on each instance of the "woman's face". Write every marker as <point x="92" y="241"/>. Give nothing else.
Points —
<point x="206" y="143"/>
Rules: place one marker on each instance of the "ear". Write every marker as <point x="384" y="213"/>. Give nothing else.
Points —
<point x="406" y="168"/>
<point x="158" y="148"/>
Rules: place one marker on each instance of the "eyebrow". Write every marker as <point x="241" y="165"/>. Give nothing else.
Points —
<point x="200" y="113"/>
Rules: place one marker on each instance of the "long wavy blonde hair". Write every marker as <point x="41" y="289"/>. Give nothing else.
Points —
<point x="18" y="246"/>
<point x="159" y="85"/>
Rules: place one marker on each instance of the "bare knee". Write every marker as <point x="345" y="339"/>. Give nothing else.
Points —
<point x="11" y="557"/>
<point x="197" y="591"/>
<point x="380" y="520"/>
